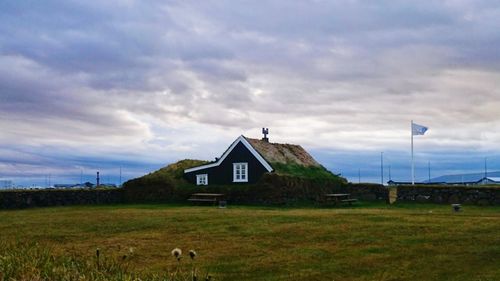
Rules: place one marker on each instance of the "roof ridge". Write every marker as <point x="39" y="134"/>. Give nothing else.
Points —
<point x="260" y="140"/>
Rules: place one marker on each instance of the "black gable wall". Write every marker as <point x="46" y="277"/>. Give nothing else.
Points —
<point x="223" y="174"/>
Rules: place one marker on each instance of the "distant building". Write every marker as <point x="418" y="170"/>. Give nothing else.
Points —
<point x="490" y="180"/>
<point x="467" y="179"/>
<point x="78" y="185"/>
<point x="391" y="182"/>
<point x="64" y="185"/>
<point x="459" y="179"/>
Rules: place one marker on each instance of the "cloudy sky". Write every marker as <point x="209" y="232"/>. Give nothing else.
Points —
<point x="99" y="85"/>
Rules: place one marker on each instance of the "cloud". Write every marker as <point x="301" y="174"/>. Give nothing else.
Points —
<point x="158" y="81"/>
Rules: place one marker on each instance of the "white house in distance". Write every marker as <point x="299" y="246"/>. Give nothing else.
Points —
<point x="467" y="179"/>
<point x="458" y="179"/>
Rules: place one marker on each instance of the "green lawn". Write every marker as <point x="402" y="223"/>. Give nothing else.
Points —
<point x="364" y="242"/>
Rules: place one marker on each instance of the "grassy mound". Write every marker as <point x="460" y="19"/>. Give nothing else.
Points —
<point x="307" y="172"/>
<point x="159" y="185"/>
<point x="175" y="171"/>
<point x="172" y="172"/>
<point x="288" y="182"/>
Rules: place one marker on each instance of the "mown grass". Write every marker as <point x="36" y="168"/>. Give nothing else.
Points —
<point x="364" y="242"/>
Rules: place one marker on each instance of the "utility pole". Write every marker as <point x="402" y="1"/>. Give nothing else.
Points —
<point x="485" y="167"/>
<point x="381" y="168"/>
<point x="359" y="175"/>
<point x="429" y="166"/>
<point x="390" y="178"/>
<point x="485" y="170"/>
<point x="412" y="160"/>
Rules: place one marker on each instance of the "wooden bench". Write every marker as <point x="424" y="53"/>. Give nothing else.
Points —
<point x="338" y="198"/>
<point x="350" y="201"/>
<point x="214" y="198"/>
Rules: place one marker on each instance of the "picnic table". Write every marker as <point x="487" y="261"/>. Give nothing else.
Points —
<point x="214" y="198"/>
<point x="338" y="198"/>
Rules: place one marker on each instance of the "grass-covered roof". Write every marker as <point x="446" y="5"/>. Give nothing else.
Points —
<point x="283" y="153"/>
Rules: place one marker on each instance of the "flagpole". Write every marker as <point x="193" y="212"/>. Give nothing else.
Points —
<point x="412" y="163"/>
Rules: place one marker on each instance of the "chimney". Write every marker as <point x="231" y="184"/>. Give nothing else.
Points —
<point x="265" y="132"/>
<point x="97" y="180"/>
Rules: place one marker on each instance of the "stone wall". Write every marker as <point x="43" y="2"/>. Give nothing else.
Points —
<point x="449" y="194"/>
<point x="16" y="199"/>
<point x="368" y="192"/>
<point x="285" y="189"/>
<point x="275" y="190"/>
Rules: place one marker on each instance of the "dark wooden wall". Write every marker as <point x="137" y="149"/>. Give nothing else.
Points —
<point x="223" y="174"/>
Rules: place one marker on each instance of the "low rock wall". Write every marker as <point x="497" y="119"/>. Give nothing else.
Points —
<point x="16" y="199"/>
<point x="368" y="192"/>
<point x="277" y="190"/>
<point x="449" y="195"/>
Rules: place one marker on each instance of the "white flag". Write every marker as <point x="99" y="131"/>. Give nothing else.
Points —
<point x="418" y="129"/>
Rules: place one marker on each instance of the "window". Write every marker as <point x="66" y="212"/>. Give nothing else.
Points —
<point x="202" y="179"/>
<point x="240" y="172"/>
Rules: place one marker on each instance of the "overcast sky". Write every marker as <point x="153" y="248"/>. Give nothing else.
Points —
<point x="95" y="85"/>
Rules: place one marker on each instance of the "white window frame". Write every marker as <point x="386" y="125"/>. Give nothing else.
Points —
<point x="240" y="172"/>
<point x="202" y="179"/>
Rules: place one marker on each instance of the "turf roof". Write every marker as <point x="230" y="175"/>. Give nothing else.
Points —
<point x="283" y="153"/>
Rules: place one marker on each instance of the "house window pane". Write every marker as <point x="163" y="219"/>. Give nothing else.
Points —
<point x="240" y="172"/>
<point x="202" y="179"/>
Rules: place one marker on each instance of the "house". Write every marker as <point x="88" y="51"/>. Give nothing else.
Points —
<point x="246" y="160"/>
<point x="77" y="185"/>
<point x="467" y="179"/>
<point x="489" y="180"/>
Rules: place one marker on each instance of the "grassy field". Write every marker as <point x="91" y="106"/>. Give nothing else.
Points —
<point x="364" y="242"/>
